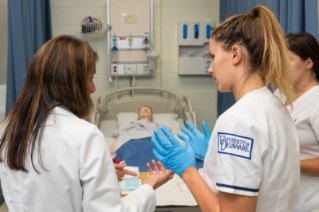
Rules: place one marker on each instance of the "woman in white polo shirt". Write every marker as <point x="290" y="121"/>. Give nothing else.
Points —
<point x="304" y="56"/>
<point x="251" y="162"/>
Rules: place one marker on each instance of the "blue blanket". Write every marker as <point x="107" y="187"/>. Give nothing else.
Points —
<point x="138" y="152"/>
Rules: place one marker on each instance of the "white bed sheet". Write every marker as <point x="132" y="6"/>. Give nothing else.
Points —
<point x="108" y="126"/>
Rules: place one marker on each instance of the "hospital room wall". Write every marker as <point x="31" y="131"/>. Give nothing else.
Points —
<point x="66" y="18"/>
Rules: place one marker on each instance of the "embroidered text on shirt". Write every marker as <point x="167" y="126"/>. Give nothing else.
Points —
<point x="236" y="145"/>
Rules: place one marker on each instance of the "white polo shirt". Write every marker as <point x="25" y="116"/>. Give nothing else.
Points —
<point x="305" y="114"/>
<point x="254" y="151"/>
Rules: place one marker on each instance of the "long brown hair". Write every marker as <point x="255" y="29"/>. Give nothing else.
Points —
<point x="57" y="75"/>
<point x="261" y="35"/>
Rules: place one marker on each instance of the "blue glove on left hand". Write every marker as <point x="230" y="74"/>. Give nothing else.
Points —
<point x="174" y="156"/>
<point x="198" y="140"/>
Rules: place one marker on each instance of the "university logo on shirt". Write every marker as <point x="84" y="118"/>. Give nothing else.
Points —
<point x="235" y="145"/>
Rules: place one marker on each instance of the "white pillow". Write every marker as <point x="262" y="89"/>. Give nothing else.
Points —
<point x="166" y="119"/>
<point x="124" y="119"/>
<point x="169" y="120"/>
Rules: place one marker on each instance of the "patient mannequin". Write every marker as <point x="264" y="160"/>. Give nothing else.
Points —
<point x="145" y="114"/>
<point x="132" y="143"/>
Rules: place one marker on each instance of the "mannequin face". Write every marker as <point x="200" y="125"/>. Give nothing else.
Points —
<point x="145" y="113"/>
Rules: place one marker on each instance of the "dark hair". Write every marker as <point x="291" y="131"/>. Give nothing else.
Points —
<point x="305" y="46"/>
<point x="261" y="35"/>
<point x="57" y="75"/>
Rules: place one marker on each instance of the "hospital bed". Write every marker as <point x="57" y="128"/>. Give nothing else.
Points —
<point x="125" y="103"/>
<point x="116" y="110"/>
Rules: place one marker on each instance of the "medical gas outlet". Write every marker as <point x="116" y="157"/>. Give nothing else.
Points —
<point x="130" y="43"/>
<point x="130" y="69"/>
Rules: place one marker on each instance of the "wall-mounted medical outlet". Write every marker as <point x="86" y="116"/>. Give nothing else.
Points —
<point x="117" y="69"/>
<point x="120" y="69"/>
<point x="130" y="32"/>
<point x="130" y="69"/>
<point x="145" y="69"/>
<point x="114" y="69"/>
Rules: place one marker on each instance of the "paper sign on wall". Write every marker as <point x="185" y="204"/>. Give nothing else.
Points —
<point x="130" y="18"/>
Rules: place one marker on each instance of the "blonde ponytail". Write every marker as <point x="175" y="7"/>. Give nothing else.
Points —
<point x="260" y="33"/>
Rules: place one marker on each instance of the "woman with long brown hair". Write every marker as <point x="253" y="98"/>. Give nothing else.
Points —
<point x="52" y="159"/>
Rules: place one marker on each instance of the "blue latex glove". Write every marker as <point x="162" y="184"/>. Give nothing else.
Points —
<point x="173" y="155"/>
<point x="198" y="140"/>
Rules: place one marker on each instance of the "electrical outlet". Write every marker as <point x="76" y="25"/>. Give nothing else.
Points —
<point x="145" y="69"/>
<point x="130" y="69"/>
<point x="114" y="69"/>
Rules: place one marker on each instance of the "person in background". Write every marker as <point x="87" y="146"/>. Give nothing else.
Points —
<point x="304" y="56"/>
<point x="252" y="158"/>
<point x="52" y="159"/>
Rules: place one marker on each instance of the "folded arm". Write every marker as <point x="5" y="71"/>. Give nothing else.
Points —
<point x="310" y="166"/>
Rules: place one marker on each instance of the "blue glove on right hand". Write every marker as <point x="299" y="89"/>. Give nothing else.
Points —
<point x="174" y="156"/>
<point x="198" y="140"/>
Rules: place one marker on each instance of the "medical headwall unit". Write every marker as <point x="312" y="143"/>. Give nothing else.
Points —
<point x="130" y="37"/>
<point x="193" y="43"/>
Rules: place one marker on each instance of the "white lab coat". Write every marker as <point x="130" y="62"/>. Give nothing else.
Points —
<point x="80" y="174"/>
<point x="254" y="151"/>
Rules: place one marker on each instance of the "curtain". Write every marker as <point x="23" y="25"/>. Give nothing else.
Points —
<point x="296" y="15"/>
<point x="29" y="27"/>
<point x="293" y="16"/>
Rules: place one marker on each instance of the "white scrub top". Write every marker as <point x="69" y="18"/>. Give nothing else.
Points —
<point x="254" y="151"/>
<point x="80" y="174"/>
<point x="305" y="113"/>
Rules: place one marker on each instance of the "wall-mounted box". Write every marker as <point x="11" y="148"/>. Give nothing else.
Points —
<point x="130" y="37"/>
<point x="193" y="44"/>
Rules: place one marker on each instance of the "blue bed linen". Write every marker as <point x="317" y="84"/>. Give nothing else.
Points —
<point x="138" y="152"/>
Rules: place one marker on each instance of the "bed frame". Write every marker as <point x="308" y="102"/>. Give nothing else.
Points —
<point x="130" y="99"/>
